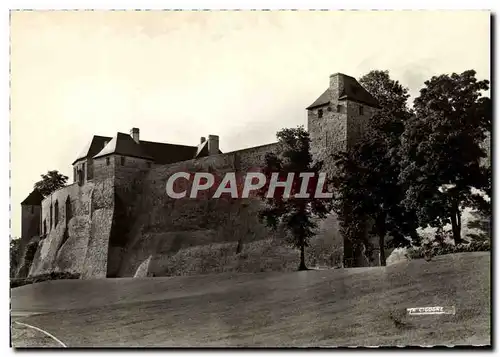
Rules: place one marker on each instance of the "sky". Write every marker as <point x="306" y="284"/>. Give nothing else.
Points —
<point x="181" y="75"/>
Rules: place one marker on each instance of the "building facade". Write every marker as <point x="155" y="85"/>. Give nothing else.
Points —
<point x="116" y="214"/>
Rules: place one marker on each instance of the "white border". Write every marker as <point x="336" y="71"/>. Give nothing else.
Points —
<point x="178" y="4"/>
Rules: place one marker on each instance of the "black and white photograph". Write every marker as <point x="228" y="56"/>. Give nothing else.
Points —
<point x="250" y="179"/>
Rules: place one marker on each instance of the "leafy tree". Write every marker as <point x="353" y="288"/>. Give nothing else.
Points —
<point x="441" y="150"/>
<point x="297" y="216"/>
<point x="15" y="244"/>
<point x="482" y="223"/>
<point x="50" y="182"/>
<point x="367" y="182"/>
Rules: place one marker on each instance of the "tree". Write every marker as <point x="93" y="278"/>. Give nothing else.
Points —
<point x="297" y="216"/>
<point x="15" y="244"/>
<point x="442" y="148"/>
<point x="50" y="182"/>
<point x="367" y="183"/>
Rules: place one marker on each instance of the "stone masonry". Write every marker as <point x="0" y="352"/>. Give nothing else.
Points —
<point x="116" y="214"/>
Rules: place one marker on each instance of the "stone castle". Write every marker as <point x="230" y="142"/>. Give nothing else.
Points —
<point x="116" y="214"/>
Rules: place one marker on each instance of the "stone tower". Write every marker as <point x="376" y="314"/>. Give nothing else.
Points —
<point x="30" y="219"/>
<point x="338" y="118"/>
<point x="336" y="121"/>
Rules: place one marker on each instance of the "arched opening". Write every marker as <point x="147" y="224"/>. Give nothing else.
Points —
<point x="69" y="213"/>
<point x="56" y="213"/>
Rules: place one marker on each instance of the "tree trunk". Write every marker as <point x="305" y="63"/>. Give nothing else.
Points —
<point x="302" y="265"/>
<point x="455" y="229"/>
<point x="239" y="246"/>
<point x="381" y="243"/>
<point x="382" y="231"/>
<point x="456" y="222"/>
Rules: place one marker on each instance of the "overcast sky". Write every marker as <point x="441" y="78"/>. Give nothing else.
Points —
<point x="181" y="75"/>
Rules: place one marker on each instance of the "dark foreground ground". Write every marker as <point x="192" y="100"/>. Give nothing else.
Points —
<point x="319" y="308"/>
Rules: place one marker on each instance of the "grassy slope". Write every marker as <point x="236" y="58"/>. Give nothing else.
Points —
<point x="314" y="308"/>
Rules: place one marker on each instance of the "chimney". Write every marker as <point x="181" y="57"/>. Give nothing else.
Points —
<point x="336" y="85"/>
<point x="202" y="140"/>
<point x="213" y="145"/>
<point x="134" y="133"/>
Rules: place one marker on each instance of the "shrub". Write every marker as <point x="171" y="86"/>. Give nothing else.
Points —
<point x="474" y="246"/>
<point x="14" y="283"/>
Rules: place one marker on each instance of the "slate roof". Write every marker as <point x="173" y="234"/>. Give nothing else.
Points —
<point x="33" y="199"/>
<point x="168" y="153"/>
<point x="160" y="153"/>
<point x="123" y="144"/>
<point x="93" y="147"/>
<point x="322" y="100"/>
<point x="350" y="89"/>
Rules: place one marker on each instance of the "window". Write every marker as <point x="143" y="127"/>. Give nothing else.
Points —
<point x="75" y="174"/>
<point x="90" y="169"/>
<point x="32" y="209"/>
<point x="361" y="110"/>
<point x="339" y="108"/>
<point x="107" y="161"/>
<point x="122" y="160"/>
<point x="320" y="113"/>
<point x="149" y="164"/>
<point x="56" y="214"/>
<point x="69" y="214"/>
<point x="329" y="109"/>
<point x="44" y="227"/>
<point x="80" y="177"/>
<point x="50" y="221"/>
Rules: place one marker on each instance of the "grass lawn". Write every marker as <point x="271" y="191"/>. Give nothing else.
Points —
<point x="341" y="307"/>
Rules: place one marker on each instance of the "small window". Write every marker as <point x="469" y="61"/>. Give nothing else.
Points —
<point x="122" y="160"/>
<point x="149" y="164"/>
<point x="361" y="110"/>
<point x="44" y="227"/>
<point x="80" y="177"/>
<point x="56" y="214"/>
<point x="50" y="221"/>
<point x="329" y="109"/>
<point x="107" y="161"/>
<point x="32" y="209"/>
<point x="320" y="113"/>
<point x="339" y="108"/>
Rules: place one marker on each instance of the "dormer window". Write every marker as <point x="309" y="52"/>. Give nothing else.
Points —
<point x="320" y="113"/>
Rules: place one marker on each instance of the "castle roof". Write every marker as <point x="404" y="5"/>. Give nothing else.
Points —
<point x="93" y="147"/>
<point x="123" y="144"/>
<point x="163" y="153"/>
<point x="349" y="89"/>
<point x="33" y="199"/>
<point x="160" y="153"/>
